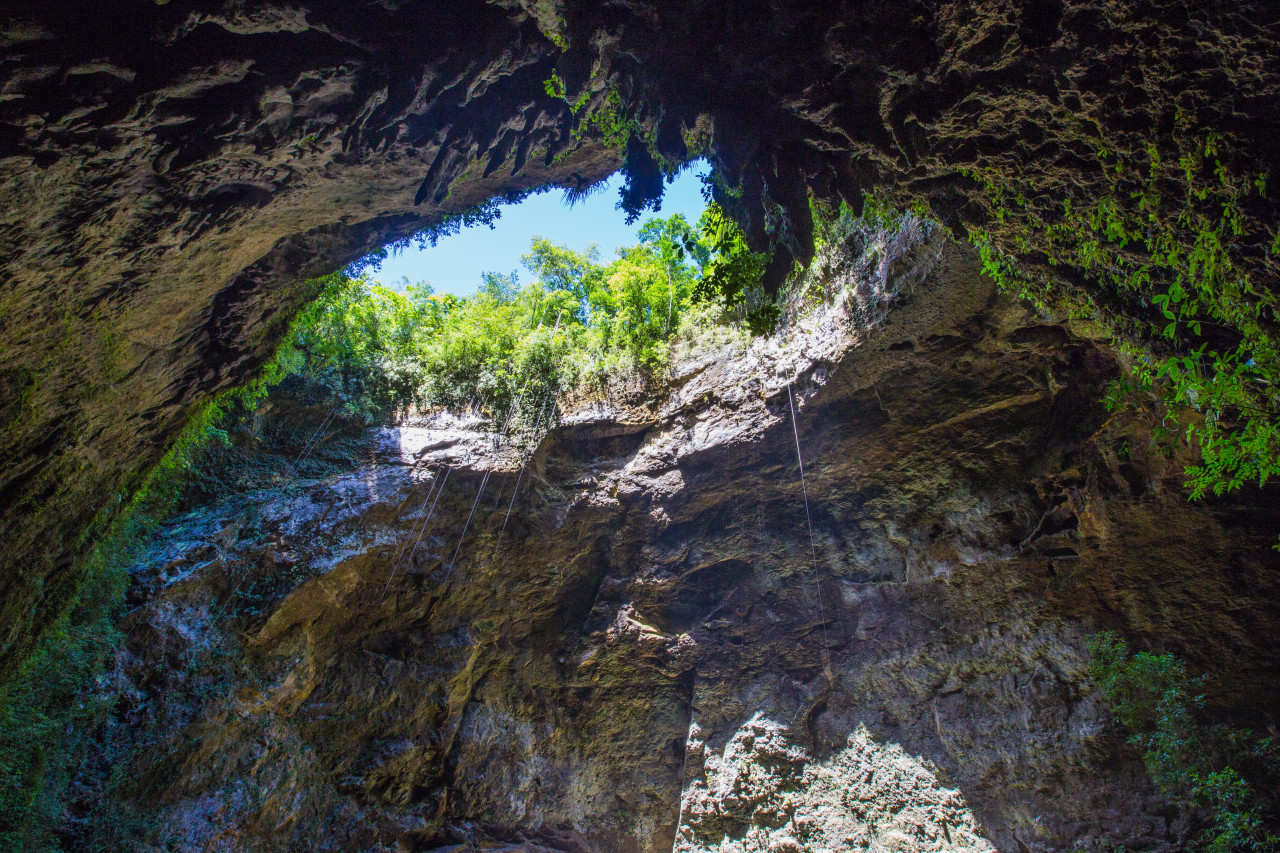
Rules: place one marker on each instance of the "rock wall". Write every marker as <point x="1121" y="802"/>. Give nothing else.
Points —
<point x="173" y="176"/>
<point x="652" y="653"/>
<point x="172" y="171"/>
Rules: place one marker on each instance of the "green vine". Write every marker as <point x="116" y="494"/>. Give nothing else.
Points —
<point x="612" y="120"/>
<point x="1201" y="336"/>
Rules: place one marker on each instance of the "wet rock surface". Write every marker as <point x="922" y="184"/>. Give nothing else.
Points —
<point x="652" y="655"/>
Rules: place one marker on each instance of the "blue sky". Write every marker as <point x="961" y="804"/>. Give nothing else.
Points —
<point x="455" y="263"/>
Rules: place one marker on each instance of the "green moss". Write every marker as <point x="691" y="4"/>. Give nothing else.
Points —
<point x="53" y="706"/>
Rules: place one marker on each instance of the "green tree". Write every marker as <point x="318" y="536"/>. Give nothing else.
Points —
<point x="733" y="272"/>
<point x="580" y="320"/>
<point x="499" y="287"/>
<point x="561" y="268"/>
<point x="1194" y="763"/>
<point x="676" y="244"/>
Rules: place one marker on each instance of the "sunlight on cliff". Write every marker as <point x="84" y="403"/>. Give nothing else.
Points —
<point x="761" y="793"/>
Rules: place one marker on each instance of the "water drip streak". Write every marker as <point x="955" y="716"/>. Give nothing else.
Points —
<point x="452" y="560"/>
<point x="826" y="655"/>
<point x="421" y="531"/>
<point x="417" y="525"/>
<point x="516" y="491"/>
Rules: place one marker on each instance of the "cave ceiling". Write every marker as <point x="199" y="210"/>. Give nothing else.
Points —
<point x="173" y="172"/>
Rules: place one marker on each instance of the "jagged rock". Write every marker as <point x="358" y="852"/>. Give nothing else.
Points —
<point x="654" y="653"/>
<point x="172" y="171"/>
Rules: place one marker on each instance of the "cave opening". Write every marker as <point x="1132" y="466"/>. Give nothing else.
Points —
<point x="595" y="296"/>
<point x="572" y="219"/>
<point x="1078" y="314"/>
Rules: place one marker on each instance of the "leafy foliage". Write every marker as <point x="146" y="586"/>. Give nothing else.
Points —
<point x="1199" y="331"/>
<point x="868" y="260"/>
<point x="601" y="111"/>
<point x="736" y="270"/>
<point x="580" y="323"/>
<point x="1160" y="704"/>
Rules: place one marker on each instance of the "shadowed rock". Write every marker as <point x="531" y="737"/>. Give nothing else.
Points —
<point x="640" y="661"/>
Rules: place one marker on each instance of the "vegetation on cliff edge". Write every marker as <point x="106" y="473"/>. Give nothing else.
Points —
<point x="581" y="324"/>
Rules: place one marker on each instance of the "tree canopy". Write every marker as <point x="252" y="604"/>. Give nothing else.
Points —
<point x="580" y="321"/>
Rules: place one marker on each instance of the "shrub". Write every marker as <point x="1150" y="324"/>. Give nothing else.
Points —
<point x="1190" y="761"/>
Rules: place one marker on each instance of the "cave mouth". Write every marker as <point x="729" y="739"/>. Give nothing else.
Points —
<point x="595" y="297"/>
<point x="440" y="492"/>
<point x="178" y="177"/>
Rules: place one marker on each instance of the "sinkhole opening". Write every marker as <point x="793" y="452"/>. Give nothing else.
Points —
<point x="507" y="312"/>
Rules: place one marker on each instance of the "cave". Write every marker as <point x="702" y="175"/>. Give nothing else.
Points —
<point x="176" y="174"/>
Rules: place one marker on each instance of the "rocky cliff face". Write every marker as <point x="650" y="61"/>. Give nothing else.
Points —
<point x="172" y="171"/>
<point x="663" y="647"/>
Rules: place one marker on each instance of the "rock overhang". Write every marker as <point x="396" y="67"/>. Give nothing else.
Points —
<point x="173" y="172"/>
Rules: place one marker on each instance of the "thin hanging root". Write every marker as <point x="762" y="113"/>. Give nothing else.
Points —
<point x="416" y="535"/>
<point x="421" y="530"/>
<point x="511" y="410"/>
<point x="306" y="448"/>
<point x="480" y="491"/>
<point x="417" y="524"/>
<point x="413" y="530"/>
<point x="313" y="447"/>
<point x="323" y="423"/>
<point x="319" y="437"/>
<point x="507" y="517"/>
<point x="826" y="654"/>
<point x="537" y="422"/>
<point x="516" y="490"/>
<point x="493" y="510"/>
<point x="515" y="406"/>
<point x="297" y="460"/>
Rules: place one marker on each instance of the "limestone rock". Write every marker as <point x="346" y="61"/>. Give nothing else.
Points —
<point x="172" y="171"/>
<point x="654" y="653"/>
